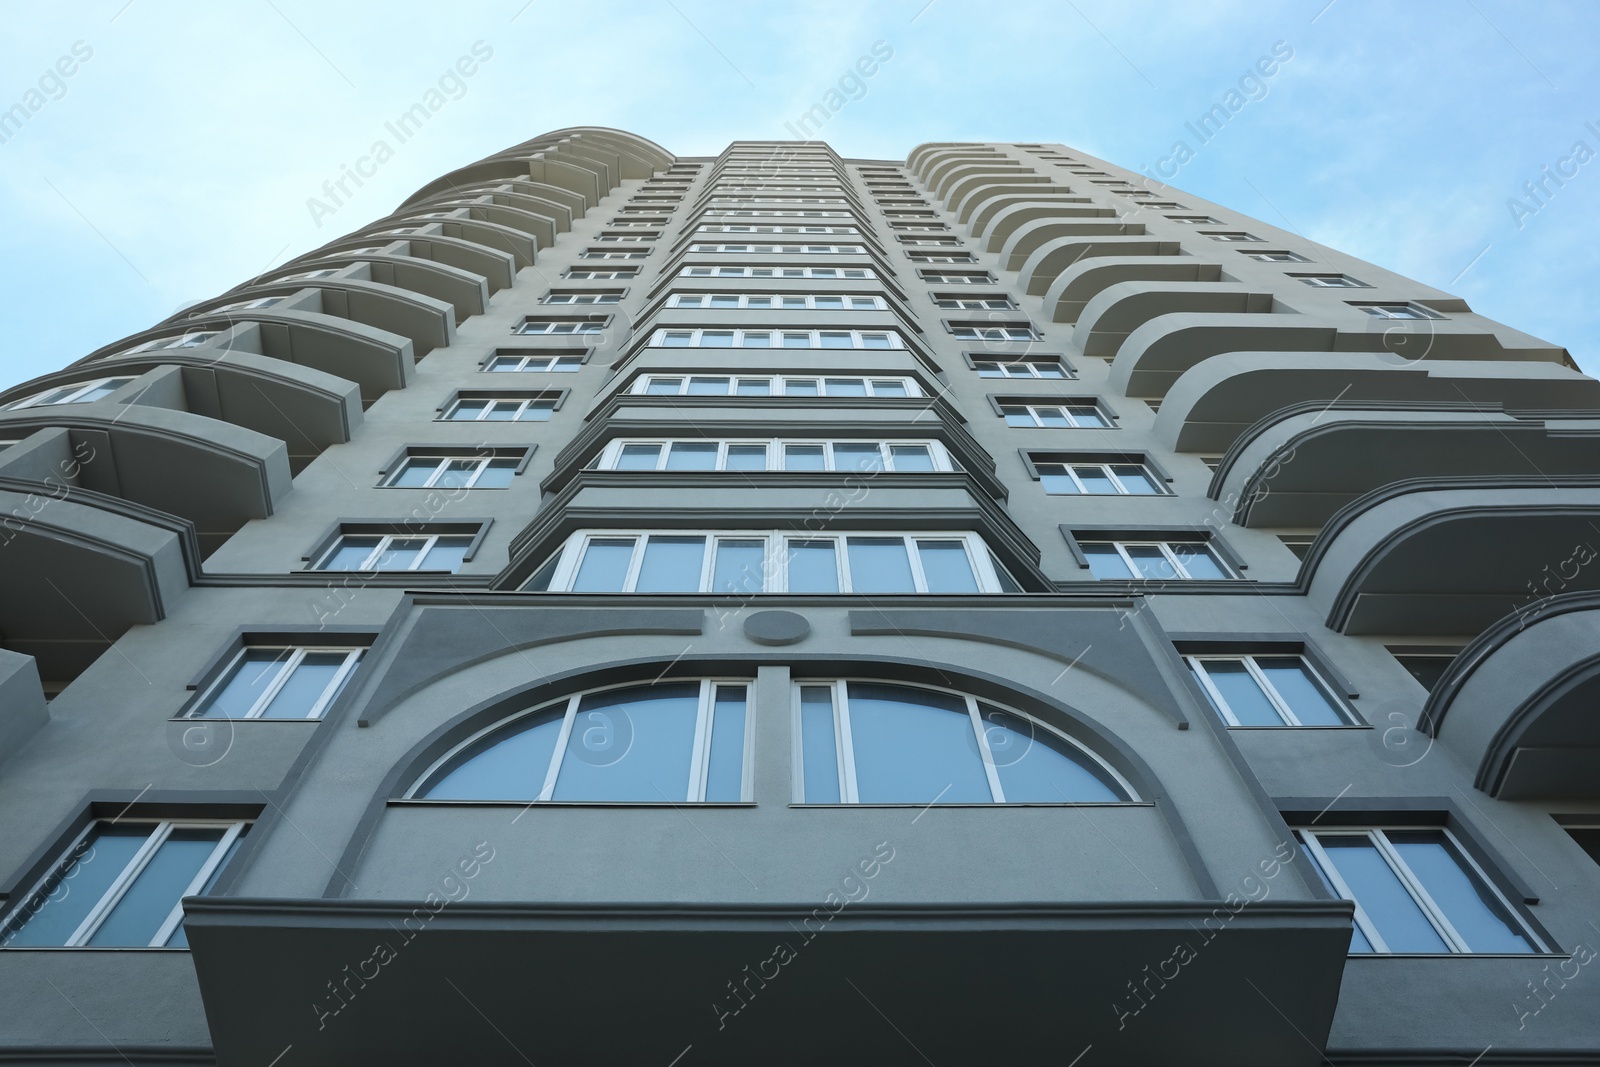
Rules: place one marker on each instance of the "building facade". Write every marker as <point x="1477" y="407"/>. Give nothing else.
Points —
<point x="779" y="608"/>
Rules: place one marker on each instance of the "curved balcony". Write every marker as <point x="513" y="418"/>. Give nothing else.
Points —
<point x="498" y="269"/>
<point x="574" y="158"/>
<point x="925" y="156"/>
<point x="1219" y="398"/>
<point x="974" y="195"/>
<point x="1119" y="309"/>
<point x="1073" y="289"/>
<point x="465" y="291"/>
<point x="1519" y="702"/>
<point x="490" y="236"/>
<point x="1000" y="218"/>
<point x="1298" y="466"/>
<point x="1032" y="236"/>
<point x="540" y="220"/>
<point x="427" y="323"/>
<point x="939" y="169"/>
<point x="1051" y="259"/>
<point x="958" y="181"/>
<point x="1448" y="556"/>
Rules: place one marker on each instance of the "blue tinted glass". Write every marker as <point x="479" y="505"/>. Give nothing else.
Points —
<point x="1358" y="940"/>
<point x="255" y="673"/>
<point x="631" y="744"/>
<point x="747" y="457"/>
<point x="1382" y="896"/>
<point x="1198" y="561"/>
<point x="400" y="554"/>
<point x="846" y="387"/>
<point x="304" y="688"/>
<point x="818" y="745"/>
<point x="1244" y="697"/>
<point x="415" y="474"/>
<point x="1290" y="677"/>
<point x="350" y="553"/>
<point x="692" y="456"/>
<point x="447" y="554"/>
<point x="946" y="567"/>
<point x="739" y="566"/>
<point x="911" y="458"/>
<point x="180" y="938"/>
<point x="76" y="886"/>
<point x="604" y="566"/>
<point x="146" y="903"/>
<point x="813" y="567"/>
<point x="856" y="456"/>
<point x="725" y="769"/>
<point x="664" y="386"/>
<point x="1037" y="766"/>
<point x="1105" y="562"/>
<point x="879" y="565"/>
<point x="671" y="565"/>
<point x="803" y="458"/>
<point x="505" y="765"/>
<point x="1470" y="906"/>
<point x="497" y="474"/>
<point x="912" y="746"/>
<point x="1151" y="561"/>
<point x="639" y="457"/>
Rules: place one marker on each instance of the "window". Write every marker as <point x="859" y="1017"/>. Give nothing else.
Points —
<point x="671" y="742"/>
<point x="929" y="242"/>
<point x="1416" y="892"/>
<point x="844" y="250"/>
<point x="512" y="362"/>
<point x="773" y="385"/>
<point x="776" y="339"/>
<point x="1160" y="560"/>
<point x="1231" y="236"/>
<point x="1196" y="220"/>
<point x="1080" y="414"/>
<point x="1330" y="281"/>
<point x="597" y="253"/>
<point x="190" y="339"/>
<point x="121" y="884"/>
<point x="779" y="301"/>
<point x="776" y="272"/>
<point x="1267" y="690"/>
<point x="582" y="274"/>
<point x="81" y="393"/>
<point x="477" y="471"/>
<point x="550" y="327"/>
<point x="757" y="561"/>
<point x="757" y="213"/>
<point x="941" y="257"/>
<point x="861" y="742"/>
<point x="1019" y="331"/>
<point x="624" y="238"/>
<point x="278" y="682"/>
<point x="996" y="302"/>
<point x="1276" y="257"/>
<point x="1585" y="833"/>
<point x="849" y="231"/>
<point x="1397" y="311"/>
<point x="395" y="552"/>
<point x="582" y="296"/>
<point x="956" y="277"/>
<point x="1021" y="368"/>
<point x="918" y="227"/>
<point x="249" y="305"/>
<point x="1098" y="479"/>
<point x="634" y="224"/>
<point x="1427" y="666"/>
<point x="502" y="407"/>
<point x="312" y="275"/>
<point x="702" y="455"/>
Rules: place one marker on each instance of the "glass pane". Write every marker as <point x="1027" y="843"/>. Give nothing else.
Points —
<point x="756" y="339"/>
<point x="400" y="553"/>
<point x="1292" y="679"/>
<point x="456" y="473"/>
<point x="467" y="410"/>
<point x="604" y="565"/>
<point x="1150" y="561"/>
<point x="846" y="387"/>
<point x="671" y="565"/>
<point x="150" y="899"/>
<point x="813" y="567"/>
<point x="889" y="388"/>
<point x="250" y="679"/>
<point x="1469" y="905"/>
<point x="631" y="744"/>
<point x="497" y="474"/>
<point x="1244" y="697"/>
<point x="1050" y="416"/>
<point x="857" y="456"/>
<point x="76" y="886"/>
<point x="692" y="456"/>
<point x="540" y="580"/>
<point x="803" y="458"/>
<point x="350" y="553"/>
<point x="747" y="458"/>
<point x="831" y="339"/>
<point x="179" y="938"/>
<point x="1136" y="480"/>
<point x="797" y="340"/>
<point x="755" y="387"/>
<point x="414" y="474"/>
<point x="879" y="565"/>
<point x="913" y="746"/>
<point x="1198" y="560"/>
<point x="1095" y="480"/>
<point x="819" y="753"/>
<point x="506" y="765"/>
<point x="1378" y="890"/>
<point x="911" y="458"/>
<point x="305" y="686"/>
<point x="739" y="566"/>
<point x="946" y="567"/>
<point x="447" y="554"/>
<point x="1358" y="940"/>
<point x="725" y="767"/>
<point x="639" y="457"/>
<point x="875" y="340"/>
<point x="800" y="387"/>
<point x="1056" y="481"/>
<point x="503" y="411"/>
<point x="1105" y="562"/>
<point x="537" y="411"/>
<point x="1049" y="370"/>
<point x="1037" y="766"/>
<point x="664" y="386"/>
<point x="708" y="386"/>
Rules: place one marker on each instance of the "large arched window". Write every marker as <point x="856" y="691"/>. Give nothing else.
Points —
<point x="860" y="742"/>
<point x="674" y="741"/>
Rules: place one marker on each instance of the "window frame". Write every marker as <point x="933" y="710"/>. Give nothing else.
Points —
<point x="525" y="403"/>
<point x="1063" y="406"/>
<point x="1106" y="466"/>
<point x="1323" y="281"/>
<point x="524" y="359"/>
<point x="943" y="463"/>
<point x="581" y="297"/>
<point x="76" y="394"/>
<point x="441" y="462"/>
<point x="778" y="382"/>
<point x="298" y="653"/>
<point x="386" y="540"/>
<point x="729" y="248"/>
<point x="731" y="270"/>
<point x="1383" y="309"/>
<point x="581" y="326"/>
<point x="1181" y="572"/>
<point x="875" y="302"/>
<point x="740" y="338"/>
<point x="1276" y="699"/>
<point x="975" y="361"/>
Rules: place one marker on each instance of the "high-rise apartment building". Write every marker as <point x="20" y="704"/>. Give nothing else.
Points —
<point x="785" y="609"/>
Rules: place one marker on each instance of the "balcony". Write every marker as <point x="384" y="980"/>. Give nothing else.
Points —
<point x="1050" y="260"/>
<point x="1069" y="295"/>
<point x="1120" y="309"/>
<point x="1003" y="216"/>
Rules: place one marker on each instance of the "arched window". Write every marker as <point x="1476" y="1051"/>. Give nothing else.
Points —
<point x="675" y="741"/>
<point x="862" y="742"/>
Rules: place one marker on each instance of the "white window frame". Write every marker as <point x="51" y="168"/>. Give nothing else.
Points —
<point x="848" y="301"/>
<point x="1330" y="281"/>
<point x="1106" y="470"/>
<point x="1064" y="409"/>
<point x="586" y="274"/>
<point x="611" y="455"/>
<point x="935" y="257"/>
<point x="1173" y="560"/>
<point x="385" y="544"/>
<point x="623" y="238"/>
<point x="699" y="761"/>
<point x="248" y="305"/>
<point x="285" y="669"/>
<point x="777" y="198"/>
<point x="441" y="464"/>
<point x="976" y="277"/>
<point x="743" y="227"/>
<point x="1285" y="712"/>
<point x="599" y="253"/>
<point x="1033" y="365"/>
<point x="757" y="213"/>
<point x="1396" y="309"/>
<point x="1275" y="256"/>
<point x="730" y="271"/>
<point x="755" y="338"/>
<point x="507" y="364"/>
<point x="999" y="302"/>
<point x="766" y="249"/>
<point x="775" y="556"/>
<point x="189" y="339"/>
<point x="542" y="327"/>
<point x="583" y="297"/>
<point x="1378" y="836"/>
<point x="524" y="403"/>
<point x="635" y="224"/>
<point x="77" y="395"/>
<point x="928" y="242"/>
<point x="160" y="831"/>
<point x="844" y="746"/>
<point x="777" y="384"/>
<point x="1194" y="220"/>
<point x="1237" y="237"/>
<point x="1000" y="333"/>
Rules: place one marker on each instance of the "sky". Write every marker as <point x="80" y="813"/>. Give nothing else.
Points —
<point x="182" y="153"/>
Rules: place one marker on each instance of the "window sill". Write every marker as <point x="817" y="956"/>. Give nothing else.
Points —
<point x="991" y="804"/>
<point x="423" y="802"/>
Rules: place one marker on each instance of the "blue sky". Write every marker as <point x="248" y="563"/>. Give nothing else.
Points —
<point x="179" y="157"/>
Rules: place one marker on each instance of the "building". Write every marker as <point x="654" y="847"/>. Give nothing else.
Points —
<point x="778" y="608"/>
